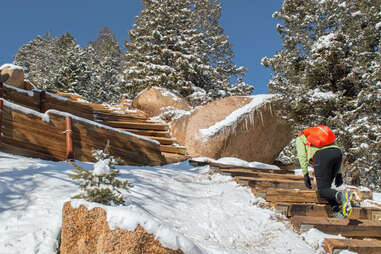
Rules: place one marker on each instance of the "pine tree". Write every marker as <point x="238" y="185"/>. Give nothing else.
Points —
<point x="94" y="72"/>
<point x="328" y="72"/>
<point x="101" y="185"/>
<point x="179" y="44"/>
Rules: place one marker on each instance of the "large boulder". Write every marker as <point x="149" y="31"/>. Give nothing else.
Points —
<point x="87" y="231"/>
<point x="154" y="101"/>
<point x="242" y="127"/>
<point x="12" y="75"/>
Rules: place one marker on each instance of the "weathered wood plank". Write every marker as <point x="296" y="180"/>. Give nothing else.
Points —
<point x="264" y="183"/>
<point x="152" y="133"/>
<point x="132" y="148"/>
<point x="173" y="149"/>
<point x="260" y="174"/>
<point x="23" y="98"/>
<point x="322" y="210"/>
<point x="334" y="246"/>
<point x="289" y="196"/>
<point x="344" y="227"/>
<point x="135" y="125"/>
<point x="231" y="168"/>
<point x="30" y="150"/>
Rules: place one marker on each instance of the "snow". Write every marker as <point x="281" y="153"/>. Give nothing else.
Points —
<point x="11" y="66"/>
<point x="102" y="167"/>
<point x="317" y="95"/>
<point x="28" y="92"/>
<point x="235" y="162"/>
<point x="183" y="206"/>
<point x="235" y="116"/>
<point x="323" y="42"/>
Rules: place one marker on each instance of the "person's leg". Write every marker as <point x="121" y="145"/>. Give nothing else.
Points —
<point x="326" y="165"/>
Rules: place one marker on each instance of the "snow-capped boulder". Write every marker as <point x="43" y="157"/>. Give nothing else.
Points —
<point x="241" y="127"/>
<point x="87" y="231"/>
<point x="156" y="100"/>
<point x="12" y="75"/>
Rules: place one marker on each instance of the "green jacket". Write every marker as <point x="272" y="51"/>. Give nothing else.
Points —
<point x="306" y="152"/>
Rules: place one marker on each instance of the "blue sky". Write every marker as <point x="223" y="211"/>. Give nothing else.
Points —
<point x="248" y="23"/>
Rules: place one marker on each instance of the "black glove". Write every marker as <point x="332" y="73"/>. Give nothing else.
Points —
<point x="307" y="181"/>
<point x="339" y="179"/>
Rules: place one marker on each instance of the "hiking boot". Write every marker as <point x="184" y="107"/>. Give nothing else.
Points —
<point x="338" y="215"/>
<point x="345" y="198"/>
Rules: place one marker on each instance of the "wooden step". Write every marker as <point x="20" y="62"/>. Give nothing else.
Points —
<point x="250" y="171"/>
<point x="260" y="174"/>
<point x="137" y="125"/>
<point x="227" y="167"/>
<point x="322" y="210"/>
<point x="108" y="116"/>
<point x="301" y="196"/>
<point x="173" y="149"/>
<point x="163" y="141"/>
<point x="174" y="158"/>
<point x="345" y="227"/>
<point x="264" y="183"/>
<point x="369" y="246"/>
<point x="152" y="133"/>
<point x="288" y="196"/>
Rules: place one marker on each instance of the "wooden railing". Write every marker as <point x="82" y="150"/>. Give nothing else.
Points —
<point x="57" y="135"/>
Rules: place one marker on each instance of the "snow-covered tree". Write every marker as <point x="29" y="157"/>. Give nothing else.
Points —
<point x="101" y="184"/>
<point x="43" y="56"/>
<point x="93" y="72"/>
<point x="179" y="44"/>
<point x="328" y="72"/>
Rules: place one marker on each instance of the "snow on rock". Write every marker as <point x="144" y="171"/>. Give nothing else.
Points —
<point x="129" y="217"/>
<point x="235" y="116"/>
<point x="11" y="66"/>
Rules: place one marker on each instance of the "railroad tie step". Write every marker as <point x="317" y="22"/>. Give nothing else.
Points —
<point x="335" y="246"/>
<point x="346" y="227"/>
<point x="323" y="210"/>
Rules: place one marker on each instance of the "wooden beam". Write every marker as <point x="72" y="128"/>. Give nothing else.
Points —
<point x="152" y="133"/>
<point x="334" y="246"/>
<point x="173" y="149"/>
<point x="231" y="168"/>
<point x="260" y="174"/>
<point x="322" y="210"/>
<point x="141" y="126"/>
<point x="289" y="196"/>
<point x="264" y="183"/>
<point x="334" y="226"/>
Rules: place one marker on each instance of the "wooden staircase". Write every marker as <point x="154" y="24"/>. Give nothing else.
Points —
<point x="286" y="193"/>
<point x="140" y="125"/>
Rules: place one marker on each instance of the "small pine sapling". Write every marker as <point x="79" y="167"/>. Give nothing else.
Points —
<point x="100" y="185"/>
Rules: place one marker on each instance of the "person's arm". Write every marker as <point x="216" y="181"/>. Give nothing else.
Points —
<point x="301" y="153"/>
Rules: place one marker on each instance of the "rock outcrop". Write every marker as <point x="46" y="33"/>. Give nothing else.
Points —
<point x="87" y="231"/>
<point x="242" y="127"/>
<point x="12" y="75"/>
<point x="155" y="100"/>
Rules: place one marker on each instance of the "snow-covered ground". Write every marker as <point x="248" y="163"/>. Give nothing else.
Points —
<point x="183" y="205"/>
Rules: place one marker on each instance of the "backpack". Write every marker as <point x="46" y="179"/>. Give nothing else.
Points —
<point x="319" y="136"/>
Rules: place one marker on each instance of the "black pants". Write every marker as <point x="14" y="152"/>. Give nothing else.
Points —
<point x="327" y="163"/>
